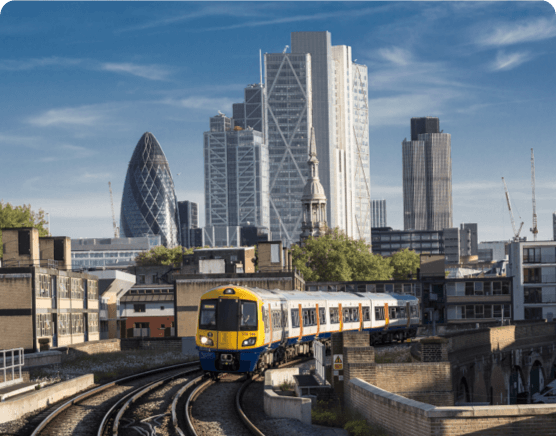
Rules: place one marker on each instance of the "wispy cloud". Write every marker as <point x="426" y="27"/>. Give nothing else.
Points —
<point x="67" y="152"/>
<point x="396" y="55"/>
<point x="194" y="102"/>
<point x="80" y="116"/>
<point x="151" y="72"/>
<point x="515" y="33"/>
<point x="509" y="61"/>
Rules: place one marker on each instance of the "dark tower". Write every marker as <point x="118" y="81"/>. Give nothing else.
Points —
<point x="149" y="204"/>
<point x="424" y="125"/>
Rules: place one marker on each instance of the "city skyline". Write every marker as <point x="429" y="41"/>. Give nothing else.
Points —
<point x="76" y="101"/>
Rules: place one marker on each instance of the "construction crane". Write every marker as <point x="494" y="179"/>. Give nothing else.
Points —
<point x="516" y="232"/>
<point x="534" y="229"/>
<point x="116" y="228"/>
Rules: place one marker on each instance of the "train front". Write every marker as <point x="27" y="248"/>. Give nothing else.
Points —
<point x="230" y="331"/>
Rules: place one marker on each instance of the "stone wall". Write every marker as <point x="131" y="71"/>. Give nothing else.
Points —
<point x="93" y="347"/>
<point x="156" y="344"/>
<point x="404" y="417"/>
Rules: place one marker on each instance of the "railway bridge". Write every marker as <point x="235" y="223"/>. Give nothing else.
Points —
<point x="502" y="365"/>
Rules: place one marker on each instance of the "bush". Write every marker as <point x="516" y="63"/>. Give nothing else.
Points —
<point x="286" y="386"/>
<point x="361" y="428"/>
<point x="334" y="416"/>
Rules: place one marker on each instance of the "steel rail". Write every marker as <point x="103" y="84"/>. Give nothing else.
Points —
<point x="137" y="393"/>
<point x="175" y="406"/>
<point x="101" y="388"/>
<point x="193" y="396"/>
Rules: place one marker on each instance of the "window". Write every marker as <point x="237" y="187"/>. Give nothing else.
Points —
<point x="479" y="288"/>
<point x="139" y="308"/>
<point x="63" y="287"/>
<point x="469" y="288"/>
<point x="334" y="315"/>
<point x="479" y="312"/>
<point x="93" y="322"/>
<point x="44" y="286"/>
<point x="309" y="317"/>
<point x="532" y="295"/>
<point x="414" y="311"/>
<point x="92" y="290"/>
<point x="322" y="315"/>
<point x="76" y="323"/>
<point x="141" y="279"/>
<point x="392" y="313"/>
<point x="531" y="255"/>
<point x="161" y="307"/>
<point x="505" y="288"/>
<point x="379" y="314"/>
<point x="248" y="316"/>
<point x="64" y="326"/>
<point x="366" y="313"/>
<point x="276" y="320"/>
<point x="533" y="313"/>
<point x="531" y="275"/>
<point x="488" y="288"/>
<point x="496" y="288"/>
<point x="265" y="320"/>
<point x="295" y="318"/>
<point x="44" y="325"/>
<point x="207" y="315"/>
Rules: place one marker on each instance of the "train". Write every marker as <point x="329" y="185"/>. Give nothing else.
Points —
<point x="245" y="330"/>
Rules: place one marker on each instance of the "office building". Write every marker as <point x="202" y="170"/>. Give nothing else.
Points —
<point x="386" y="241"/>
<point x="554" y="226"/>
<point x="489" y="251"/>
<point x="378" y="213"/>
<point x="341" y="121"/>
<point x="236" y="175"/>
<point x="149" y="205"/>
<point x="427" y="177"/>
<point x="533" y="268"/>
<point x="251" y="113"/>
<point x="468" y="234"/>
<point x="41" y="299"/>
<point x="109" y="252"/>
<point x="189" y="219"/>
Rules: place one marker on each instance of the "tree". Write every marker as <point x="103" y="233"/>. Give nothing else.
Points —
<point x="404" y="263"/>
<point x="20" y="216"/>
<point x="162" y="256"/>
<point x="337" y="257"/>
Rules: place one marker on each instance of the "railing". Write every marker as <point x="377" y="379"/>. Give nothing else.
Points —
<point x="320" y="360"/>
<point x="15" y="357"/>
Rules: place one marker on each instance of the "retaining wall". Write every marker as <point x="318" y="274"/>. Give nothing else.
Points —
<point x="42" y="358"/>
<point x="277" y="406"/>
<point x="404" y="417"/>
<point x="17" y="407"/>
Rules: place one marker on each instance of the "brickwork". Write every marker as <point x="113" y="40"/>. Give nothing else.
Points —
<point x="94" y="347"/>
<point x="156" y="344"/>
<point x="403" y="417"/>
<point x="434" y="350"/>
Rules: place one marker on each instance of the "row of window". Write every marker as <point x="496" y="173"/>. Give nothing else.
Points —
<point x="539" y="255"/>
<point x="67" y="324"/>
<point x="479" y="311"/>
<point x="68" y="287"/>
<point x="460" y="289"/>
<point x="536" y="295"/>
<point x="141" y="308"/>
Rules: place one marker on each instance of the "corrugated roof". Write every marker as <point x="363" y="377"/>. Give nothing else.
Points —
<point x="146" y="298"/>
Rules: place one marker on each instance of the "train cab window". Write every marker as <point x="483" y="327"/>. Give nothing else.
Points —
<point x="248" y="315"/>
<point x="379" y="313"/>
<point x="334" y="315"/>
<point x="207" y="316"/>
<point x="295" y="318"/>
<point x="366" y="313"/>
<point x="322" y="315"/>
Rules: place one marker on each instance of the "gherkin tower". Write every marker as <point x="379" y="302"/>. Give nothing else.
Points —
<point x="149" y="205"/>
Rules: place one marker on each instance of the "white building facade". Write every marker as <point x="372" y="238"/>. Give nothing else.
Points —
<point x="533" y="267"/>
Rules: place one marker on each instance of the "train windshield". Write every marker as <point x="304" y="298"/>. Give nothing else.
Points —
<point x="207" y="317"/>
<point x="228" y="315"/>
<point x="248" y="315"/>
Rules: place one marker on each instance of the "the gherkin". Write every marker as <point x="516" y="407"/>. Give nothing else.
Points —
<point x="149" y="205"/>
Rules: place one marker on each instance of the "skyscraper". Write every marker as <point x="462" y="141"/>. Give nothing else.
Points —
<point x="378" y="213"/>
<point x="251" y="113"/>
<point x="289" y="120"/>
<point x="327" y="91"/>
<point x="149" y="204"/>
<point x="427" y="177"/>
<point x="189" y="220"/>
<point x="236" y="175"/>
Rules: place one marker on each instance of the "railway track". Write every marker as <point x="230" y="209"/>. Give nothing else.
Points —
<point x="215" y="408"/>
<point x="113" y="405"/>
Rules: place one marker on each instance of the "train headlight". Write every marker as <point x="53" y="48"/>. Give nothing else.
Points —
<point x="206" y="341"/>
<point x="249" y="342"/>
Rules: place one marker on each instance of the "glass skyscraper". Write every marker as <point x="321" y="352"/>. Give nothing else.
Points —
<point x="427" y="177"/>
<point x="149" y="204"/>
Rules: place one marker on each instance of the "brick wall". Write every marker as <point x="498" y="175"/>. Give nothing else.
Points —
<point x="16" y="308"/>
<point x="157" y="344"/>
<point x="404" y="417"/>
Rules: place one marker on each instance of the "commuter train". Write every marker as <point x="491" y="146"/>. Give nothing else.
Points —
<point x="245" y="330"/>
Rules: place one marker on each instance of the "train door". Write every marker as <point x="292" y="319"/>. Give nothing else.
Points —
<point x="285" y="323"/>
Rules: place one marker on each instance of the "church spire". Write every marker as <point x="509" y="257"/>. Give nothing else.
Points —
<point x="313" y="199"/>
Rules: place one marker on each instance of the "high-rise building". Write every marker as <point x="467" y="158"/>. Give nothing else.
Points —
<point x="236" y="175"/>
<point x="149" y="204"/>
<point x="289" y="120"/>
<point x="189" y="219"/>
<point x="251" y="112"/>
<point x="378" y="208"/>
<point x="319" y="87"/>
<point x="427" y="177"/>
<point x="554" y="226"/>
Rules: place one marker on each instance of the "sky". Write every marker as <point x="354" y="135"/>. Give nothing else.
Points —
<point x="80" y="82"/>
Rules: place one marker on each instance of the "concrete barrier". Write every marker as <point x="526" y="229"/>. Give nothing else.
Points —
<point x="17" y="407"/>
<point x="277" y="406"/>
<point x="43" y="358"/>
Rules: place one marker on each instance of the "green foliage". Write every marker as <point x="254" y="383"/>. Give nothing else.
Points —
<point x="21" y="216"/>
<point x="405" y="262"/>
<point x="162" y="256"/>
<point x="337" y="257"/>
<point x="331" y="415"/>
<point x="286" y="386"/>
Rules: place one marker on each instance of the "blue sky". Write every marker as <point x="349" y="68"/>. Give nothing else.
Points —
<point x="81" y="82"/>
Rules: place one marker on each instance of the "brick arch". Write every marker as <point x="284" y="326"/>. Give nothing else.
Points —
<point x="463" y="395"/>
<point x="537" y="378"/>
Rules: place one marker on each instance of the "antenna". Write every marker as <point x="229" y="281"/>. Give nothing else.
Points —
<point x="261" y="67"/>
<point x="534" y="229"/>
<point x="116" y="229"/>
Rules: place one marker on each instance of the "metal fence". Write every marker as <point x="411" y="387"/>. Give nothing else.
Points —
<point x="320" y="361"/>
<point x="11" y="364"/>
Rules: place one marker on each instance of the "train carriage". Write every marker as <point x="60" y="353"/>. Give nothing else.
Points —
<point x="244" y="330"/>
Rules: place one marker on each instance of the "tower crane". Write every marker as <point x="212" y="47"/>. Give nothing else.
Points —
<point x="516" y="232"/>
<point x="534" y="229"/>
<point x="116" y="228"/>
